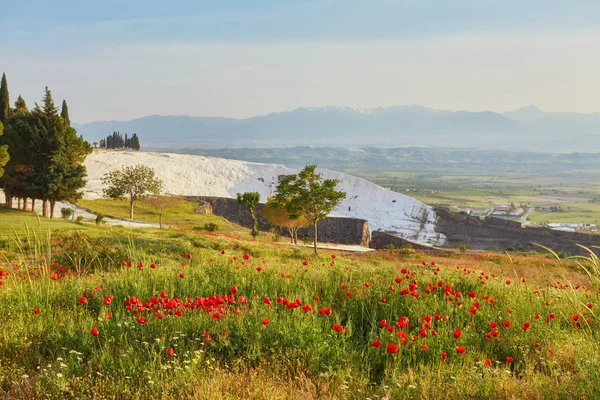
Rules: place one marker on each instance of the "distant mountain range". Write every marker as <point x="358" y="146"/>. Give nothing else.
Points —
<point x="528" y="129"/>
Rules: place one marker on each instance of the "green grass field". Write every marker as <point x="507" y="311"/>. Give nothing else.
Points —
<point x="180" y="215"/>
<point x="146" y="314"/>
<point x="20" y="222"/>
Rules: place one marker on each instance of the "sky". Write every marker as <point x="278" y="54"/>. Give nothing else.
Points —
<point x="123" y="59"/>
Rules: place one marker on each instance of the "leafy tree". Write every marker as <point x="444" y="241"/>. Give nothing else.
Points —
<point x="4" y="157"/>
<point x="134" y="182"/>
<point x="160" y="203"/>
<point x="308" y="195"/>
<point x="4" y="100"/>
<point x="249" y="200"/>
<point x="277" y="215"/>
<point x="18" y="135"/>
<point x="64" y="113"/>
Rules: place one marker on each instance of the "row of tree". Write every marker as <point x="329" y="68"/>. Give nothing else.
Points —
<point x="45" y="154"/>
<point x="117" y="141"/>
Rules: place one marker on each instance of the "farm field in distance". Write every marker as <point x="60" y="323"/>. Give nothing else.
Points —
<point x="578" y="198"/>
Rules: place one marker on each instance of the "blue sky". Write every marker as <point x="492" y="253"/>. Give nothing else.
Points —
<point x="241" y="58"/>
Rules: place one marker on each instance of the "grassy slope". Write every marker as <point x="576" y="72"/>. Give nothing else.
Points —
<point x="180" y="215"/>
<point x="16" y="221"/>
<point x="297" y="355"/>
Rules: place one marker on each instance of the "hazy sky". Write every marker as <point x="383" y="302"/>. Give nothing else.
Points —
<point x="122" y="59"/>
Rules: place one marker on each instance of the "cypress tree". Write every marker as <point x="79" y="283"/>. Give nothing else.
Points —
<point x="64" y="113"/>
<point x="4" y="100"/>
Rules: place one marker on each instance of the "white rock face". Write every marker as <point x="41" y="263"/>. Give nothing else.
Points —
<point x="209" y="176"/>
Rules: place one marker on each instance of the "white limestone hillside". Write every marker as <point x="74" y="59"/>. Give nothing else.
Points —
<point x="208" y="176"/>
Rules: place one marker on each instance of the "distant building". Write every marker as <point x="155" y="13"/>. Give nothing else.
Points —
<point x="517" y="212"/>
<point x="501" y="210"/>
<point x="475" y="211"/>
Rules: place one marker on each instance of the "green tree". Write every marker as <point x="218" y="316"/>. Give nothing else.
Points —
<point x="20" y="106"/>
<point x="277" y="215"/>
<point x="308" y="195"/>
<point x="18" y="135"/>
<point x="4" y="100"/>
<point x="134" y="182"/>
<point x="64" y="113"/>
<point x="58" y="156"/>
<point x="4" y="157"/>
<point x="249" y="200"/>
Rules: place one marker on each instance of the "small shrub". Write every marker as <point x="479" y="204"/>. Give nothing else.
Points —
<point x="198" y="228"/>
<point x="99" y="219"/>
<point x="390" y="246"/>
<point x="79" y="220"/>
<point x="308" y="240"/>
<point x="464" y="248"/>
<point x="66" y="212"/>
<point x="211" y="227"/>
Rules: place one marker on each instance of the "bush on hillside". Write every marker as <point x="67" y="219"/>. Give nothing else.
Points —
<point x="66" y="212"/>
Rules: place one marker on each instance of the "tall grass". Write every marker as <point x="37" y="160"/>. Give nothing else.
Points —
<point x="53" y="354"/>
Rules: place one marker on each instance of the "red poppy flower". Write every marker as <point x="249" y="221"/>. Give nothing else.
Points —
<point x="367" y="284"/>
<point x="170" y="352"/>
<point x="305" y="263"/>
<point x="259" y="269"/>
<point x="246" y="256"/>
<point x="510" y="360"/>
<point x="348" y="294"/>
<point x="526" y="326"/>
<point x="376" y="343"/>
<point x="444" y="355"/>
<point x="233" y="290"/>
<point x="267" y="301"/>
<point x="392" y="348"/>
<point x="424" y="347"/>
<point x="266" y="321"/>
<point x="461" y="350"/>
<point x="36" y="311"/>
<point x="325" y="311"/>
<point x="189" y="255"/>
<point x="575" y="318"/>
<point x="457" y="333"/>
<point x="337" y="328"/>
<point x="82" y="300"/>
<point x="493" y="324"/>
<point x="142" y="320"/>
<point x="506" y="323"/>
<point x="488" y="363"/>
<point x="94" y="332"/>
<point x="152" y="265"/>
<point x="181" y="275"/>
